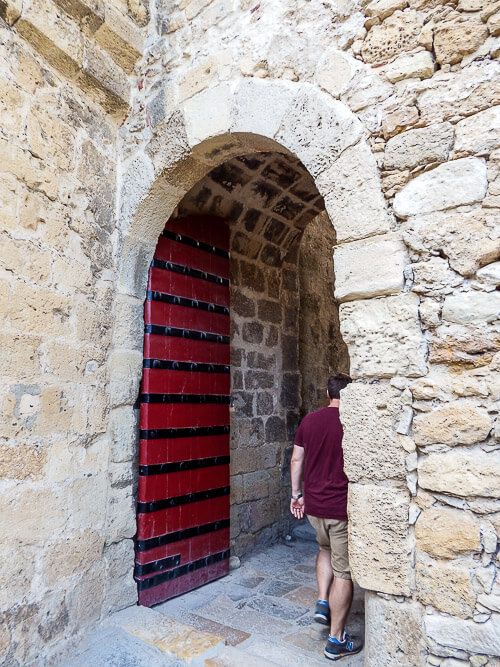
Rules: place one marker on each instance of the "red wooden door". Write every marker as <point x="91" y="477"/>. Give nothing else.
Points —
<point x="182" y="536"/>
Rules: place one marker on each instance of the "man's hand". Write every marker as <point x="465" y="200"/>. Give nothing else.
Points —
<point x="297" y="508"/>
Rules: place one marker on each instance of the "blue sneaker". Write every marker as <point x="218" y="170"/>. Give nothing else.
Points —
<point x="335" y="649"/>
<point x="322" y="612"/>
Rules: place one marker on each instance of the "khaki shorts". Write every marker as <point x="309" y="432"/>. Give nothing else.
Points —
<point x="331" y="534"/>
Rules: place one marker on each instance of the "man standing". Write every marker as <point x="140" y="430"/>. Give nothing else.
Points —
<point x="318" y="460"/>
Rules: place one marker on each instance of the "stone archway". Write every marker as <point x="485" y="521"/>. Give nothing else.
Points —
<point x="379" y="320"/>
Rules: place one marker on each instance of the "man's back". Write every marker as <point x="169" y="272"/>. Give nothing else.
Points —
<point x="325" y="483"/>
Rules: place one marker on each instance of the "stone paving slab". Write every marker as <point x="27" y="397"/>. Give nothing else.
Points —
<point x="111" y="647"/>
<point x="231" y="636"/>
<point x="263" y="610"/>
<point x="168" y="635"/>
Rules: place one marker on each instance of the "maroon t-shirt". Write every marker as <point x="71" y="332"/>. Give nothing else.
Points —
<point x="325" y="482"/>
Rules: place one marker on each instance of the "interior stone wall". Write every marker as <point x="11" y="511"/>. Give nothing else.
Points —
<point x="268" y="199"/>
<point x="322" y="352"/>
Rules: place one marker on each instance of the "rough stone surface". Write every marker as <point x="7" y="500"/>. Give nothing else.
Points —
<point x="415" y="65"/>
<point x="477" y="638"/>
<point x="468" y="239"/>
<point x="479" y="134"/>
<point x="353" y="197"/>
<point x="462" y="473"/>
<point x="447" y="186"/>
<point x="301" y="107"/>
<point x="378" y="538"/>
<point x="454" y="39"/>
<point x="373" y="450"/>
<point x="447" y="587"/>
<point x="406" y="642"/>
<point x="472" y="307"/>
<point x="418" y="147"/>
<point x="372" y="267"/>
<point x="458" y="423"/>
<point x="384" y="336"/>
<point x="447" y="533"/>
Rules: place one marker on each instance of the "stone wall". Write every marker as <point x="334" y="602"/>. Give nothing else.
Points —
<point x="392" y="107"/>
<point x="322" y="352"/>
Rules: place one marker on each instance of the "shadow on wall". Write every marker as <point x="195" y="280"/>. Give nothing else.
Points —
<point x="322" y="351"/>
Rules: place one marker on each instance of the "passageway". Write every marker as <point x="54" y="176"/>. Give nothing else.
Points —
<point x="263" y="610"/>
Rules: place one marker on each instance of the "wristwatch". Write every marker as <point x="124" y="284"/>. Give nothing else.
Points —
<point x="297" y="497"/>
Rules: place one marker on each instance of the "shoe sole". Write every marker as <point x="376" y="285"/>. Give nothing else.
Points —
<point x="322" y="619"/>
<point x="338" y="656"/>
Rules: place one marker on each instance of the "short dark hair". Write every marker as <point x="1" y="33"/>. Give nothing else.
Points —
<point x="336" y="383"/>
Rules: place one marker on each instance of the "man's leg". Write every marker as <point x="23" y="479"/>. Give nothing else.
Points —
<point x="339" y="644"/>
<point x="340" y="603"/>
<point x="324" y="572"/>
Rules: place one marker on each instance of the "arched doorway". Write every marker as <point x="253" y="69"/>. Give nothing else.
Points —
<point x="258" y="206"/>
<point x="242" y="117"/>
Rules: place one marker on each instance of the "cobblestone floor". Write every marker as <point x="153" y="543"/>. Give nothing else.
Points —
<point x="263" y="609"/>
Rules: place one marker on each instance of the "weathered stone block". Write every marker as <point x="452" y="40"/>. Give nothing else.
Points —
<point x="468" y="239"/>
<point x="415" y="148"/>
<point x="464" y="346"/>
<point x="452" y="634"/>
<point x="454" y="39"/>
<point x="33" y="515"/>
<point x="479" y="134"/>
<point x="18" y="562"/>
<point x="447" y="533"/>
<point x="372" y="448"/>
<point x="472" y="307"/>
<point x="265" y="403"/>
<point x="454" y="95"/>
<point x="396" y="34"/>
<point x="72" y="555"/>
<point x="418" y="65"/>
<point x="22" y="461"/>
<point x="261" y="105"/>
<point x="275" y="429"/>
<point x="208" y="113"/>
<point x="379" y="550"/>
<point x="384" y="336"/>
<point x="353" y="195"/>
<point x="317" y="129"/>
<point x="125" y="367"/>
<point x="434" y="276"/>
<point x="335" y="71"/>
<point x="381" y="9"/>
<point x="457" y="423"/>
<point x="393" y="630"/>
<point x="124" y="433"/>
<point x="446" y="586"/>
<point x="258" y="380"/>
<point x="461" y="473"/>
<point x="448" y="185"/>
<point x="371" y="267"/>
<point x="269" y="311"/>
<point x="121" y="589"/>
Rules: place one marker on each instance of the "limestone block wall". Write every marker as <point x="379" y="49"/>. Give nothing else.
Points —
<point x="110" y="115"/>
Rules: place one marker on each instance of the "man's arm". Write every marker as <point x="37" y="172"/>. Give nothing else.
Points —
<point x="296" y="473"/>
